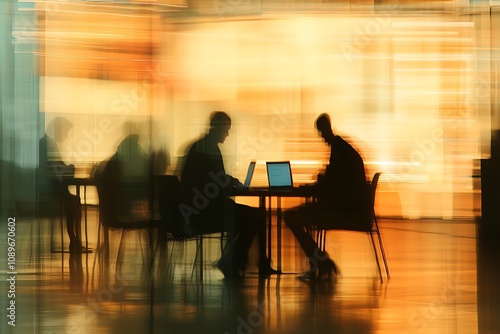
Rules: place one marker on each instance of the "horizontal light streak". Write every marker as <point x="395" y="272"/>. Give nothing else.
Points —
<point x="433" y="39"/>
<point x="295" y="162"/>
<point x="427" y="56"/>
<point x="410" y="178"/>
<point x="432" y="24"/>
<point x="434" y="70"/>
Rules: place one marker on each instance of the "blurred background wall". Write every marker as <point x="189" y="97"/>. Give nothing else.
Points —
<point x="412" y="84"/>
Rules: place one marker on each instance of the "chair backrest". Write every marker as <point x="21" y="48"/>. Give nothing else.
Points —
<point x="105" y="181"/>
<point x="121" y="204"/>
<point x="169" y="196"/>
<point x="373" y="191"/>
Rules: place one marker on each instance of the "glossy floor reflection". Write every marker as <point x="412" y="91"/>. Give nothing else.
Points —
<point x="433" y="288"/>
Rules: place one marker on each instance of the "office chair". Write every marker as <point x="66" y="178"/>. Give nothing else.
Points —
<point x="370" y="227"/>
<point x="112" y="216"/>
<point x="175" y="228"/>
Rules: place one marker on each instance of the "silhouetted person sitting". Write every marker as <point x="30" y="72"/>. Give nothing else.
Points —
<point x="125" y="180"/>
<point x="342" y="198"/>
<point x="53" y="174"/>
<point x="207" y="208"/>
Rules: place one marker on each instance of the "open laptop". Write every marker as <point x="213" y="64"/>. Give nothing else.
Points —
<point x="248" y="179"/>
<point x="279" y="175"/>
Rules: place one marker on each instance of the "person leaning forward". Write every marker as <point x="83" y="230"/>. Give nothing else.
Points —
<point x="207" y="208"/>
<point x="342" y="198"/>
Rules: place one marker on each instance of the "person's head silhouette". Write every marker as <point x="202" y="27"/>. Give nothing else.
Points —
<point x="220" y="123"/>
<point x="324" y="126"/>
<point x="58" y="128"/>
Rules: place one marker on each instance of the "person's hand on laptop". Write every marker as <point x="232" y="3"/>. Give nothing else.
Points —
<point x="236" y="183"/>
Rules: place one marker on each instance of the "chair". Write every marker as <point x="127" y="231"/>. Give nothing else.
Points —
<point x="168" y="190"/>
<point x="33" y="201"/>
<point x="112" y="215"/>
<point x="371" y="227"/>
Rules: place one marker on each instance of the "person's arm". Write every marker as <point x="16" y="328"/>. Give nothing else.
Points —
<point x="60" y="170"/>
<point x="50" y="161"/>
<point x="235" y="183"/>
<point x="326" y="179"/>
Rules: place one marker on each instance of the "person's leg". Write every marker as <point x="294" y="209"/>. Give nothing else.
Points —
<point x="245" y="227"/>
<point x="72" y="207"/>
<point x="232" y="259"/>
<point x="249" y="223"/>
<point x="296" y="219"/>
<point x="265" y="268"/>
<point x="319" y="261"/>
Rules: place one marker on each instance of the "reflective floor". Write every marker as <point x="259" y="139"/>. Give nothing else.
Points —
<point x="433" y="286"/>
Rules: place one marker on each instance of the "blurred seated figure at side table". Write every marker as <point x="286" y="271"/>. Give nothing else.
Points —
<point x="128" y="175"/>
<point x="53" y="176"/>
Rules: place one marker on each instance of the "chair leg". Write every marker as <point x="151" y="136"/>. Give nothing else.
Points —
<point x="320" y="237"/>
<point x="382" y="250"/>
<point x="198" y="259"/>
<point x="150" y="251"/>
<point x="323" y="240"/>
<point x="170" y="267"/>
<point x="201" y="259"/>
<point x="222" y="235"/>
<point x="119" y="255"/>
<point x="106" y="247"/>
<point x="98" y="251"/>
<point x="317" y="236"/>
<point x="376" y="257"/>
<point x="140" y="244"/>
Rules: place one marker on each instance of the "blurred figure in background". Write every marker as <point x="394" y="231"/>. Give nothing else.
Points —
<point x="342" y="197"/>
<point x="126" y="177"/>
<point x="207" y="208"/>
<point x="125" y="185"/>
<point x="52" y="180"/>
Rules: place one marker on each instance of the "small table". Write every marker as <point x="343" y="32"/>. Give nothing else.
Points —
<point x="263" y="193"/>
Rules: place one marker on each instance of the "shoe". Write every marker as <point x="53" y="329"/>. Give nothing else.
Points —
<point x="265" y="269"/>
<point x="77" y="248"/>
<point x="326" y="270"/>
<point x="229" y="271"/>
<point x="307" y="276"/>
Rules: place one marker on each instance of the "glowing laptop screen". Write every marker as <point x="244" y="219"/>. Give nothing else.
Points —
<point x="279" y="174"/>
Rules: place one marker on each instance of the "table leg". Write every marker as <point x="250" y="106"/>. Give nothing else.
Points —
<point x="270" y="227"/>
<point x="278" y="230"/>
<point x="85" y="219"/>
<point x="79" y="231"/>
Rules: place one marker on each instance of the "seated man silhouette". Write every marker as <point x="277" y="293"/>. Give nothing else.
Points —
<point x="342" y="198"/>
<point x="207" y="208"/>
<point x="53" y="174"/>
